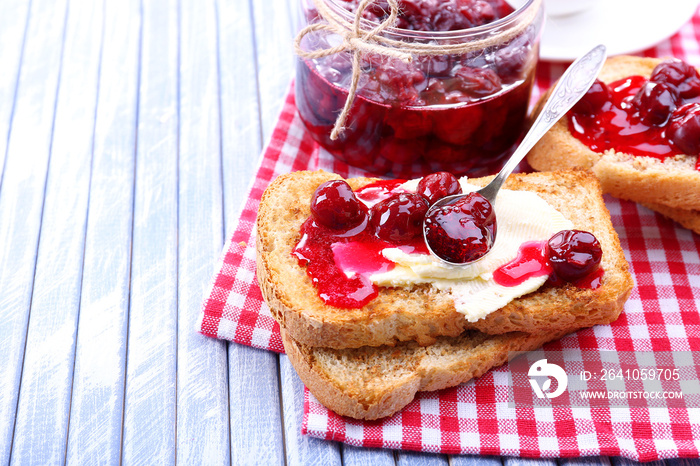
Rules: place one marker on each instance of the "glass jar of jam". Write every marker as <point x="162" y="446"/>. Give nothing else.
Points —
<point x="460" y="106"/>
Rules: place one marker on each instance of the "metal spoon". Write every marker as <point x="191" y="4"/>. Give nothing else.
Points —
<point x="573" y="84"/>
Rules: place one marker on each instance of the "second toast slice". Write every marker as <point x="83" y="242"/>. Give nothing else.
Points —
<point x="670" y="187"/>
<point x="375" y="382"/>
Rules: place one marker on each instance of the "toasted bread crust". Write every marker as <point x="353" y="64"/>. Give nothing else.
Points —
<point x="371" y="383"/>
<point x="423" y="313"/>
<point x="673" y="182"/>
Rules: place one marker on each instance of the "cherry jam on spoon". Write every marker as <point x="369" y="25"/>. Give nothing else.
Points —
<point x="461" y="229"/>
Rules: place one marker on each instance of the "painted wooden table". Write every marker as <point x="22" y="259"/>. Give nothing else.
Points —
<point x="129" y="131"/>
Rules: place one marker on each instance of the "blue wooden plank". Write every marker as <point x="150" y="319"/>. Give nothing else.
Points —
<point x="22" y="196"/>
<point x="616" y="461"/>
<point x="241" y="130"/>
<point x="683" y="462"/>
<point x="254" y="392"/>
<point x="510" y="461"/>
<point x="412" y="458"/>
<point x="473" y="460"/>
<point x="274" y="32"/>
<point x="301" y="449"/>
<point x="359" y="456"/>
<point x="95" y="428"/>
<point x="256" y="421"/>
<point x="151" y="391"/>
<point x="44" y="403"/>
<point x="203" y="435"/>
<point x="13" y="24"/>
<point x="585" y="461"/>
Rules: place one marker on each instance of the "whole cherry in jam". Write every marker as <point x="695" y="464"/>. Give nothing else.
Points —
<point x="573" y="254"/>
<point x="684" y="128"/>
<point x="398" y="219"/>
<point x="656" y="102"/>
<point x="653" y="117"/>
<point x="435" y="186"/>
<point x="593" y="100"/>
<point x="334" y="205"/>
<point x="680" y="75"/>
<point x="461" y="231"/>
<point x="446" y="15"/>
<point x="476" y="82"/>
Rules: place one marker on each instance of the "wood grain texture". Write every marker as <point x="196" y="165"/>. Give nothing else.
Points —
<point x="22" y="197"/>
<point x="95" y="429"/>
<point x="203" y="435"/>
<point x="254" y="399"/>
<point x="241" y="130"/>
<point x="274" y="31"/>
<point x="616" y="461"/>
<point x="150" y="407"/>
<point x="585" y="461"/>
<point x="13" y="24"/>
<point x="474" y="460"/>
<point x="44" y="404"/>
<point x="511" y="461"/>
<point x="411" y="458"/>
<point x="254" y="391"/>
<point x="359" y="456"/>
<point x="683" y="462"/>
<point x="301" y="449"/>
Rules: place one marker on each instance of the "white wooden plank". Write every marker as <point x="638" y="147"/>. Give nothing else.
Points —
<point x="510" y="461"/>
<point x="301" y="449"/>
<point x="586" y="461"/>
<point x="254" y="397"/>
<point x="406" y="458"/>
<point x="151" y="391"/>
<point x="95" y="427"/>
<point x="202" y="419"/>
<point x="254" y="392"/>
<point x="44" y="403"/>
<point x="616" y="461"/>
<point x="473" y="460"/>
<point x="274" y="33"/>
<point x="241" y="130"/>
<point x="358" y="456"/>
<point x="22" y="195"/>
<point x="13" y="22"/>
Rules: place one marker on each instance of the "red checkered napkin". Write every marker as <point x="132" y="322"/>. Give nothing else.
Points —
<point x="234" y="309"/>
<point x="662" y="314"/>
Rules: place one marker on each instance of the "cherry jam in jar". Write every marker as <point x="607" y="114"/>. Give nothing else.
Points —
<point x="459" y="112"/>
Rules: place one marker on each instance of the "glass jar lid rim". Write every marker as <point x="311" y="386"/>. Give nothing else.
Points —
<point x="474" y="31"/>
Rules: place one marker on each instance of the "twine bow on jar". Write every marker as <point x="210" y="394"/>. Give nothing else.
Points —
<point x="358" y="41"/>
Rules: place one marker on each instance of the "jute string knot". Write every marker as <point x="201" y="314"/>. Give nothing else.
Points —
<point x="358" y="41"/>
<point x="354" y="39"/>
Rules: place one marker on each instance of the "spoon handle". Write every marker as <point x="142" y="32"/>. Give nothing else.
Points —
<point x="573" y="84"/>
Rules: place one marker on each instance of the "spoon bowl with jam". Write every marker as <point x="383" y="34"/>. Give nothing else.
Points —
<point x="461" y="229"/>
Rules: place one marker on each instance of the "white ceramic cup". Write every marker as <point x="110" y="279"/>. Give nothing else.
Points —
<point x="566" y="7"/>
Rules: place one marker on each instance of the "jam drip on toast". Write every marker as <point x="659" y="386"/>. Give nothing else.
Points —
<point x="657" y="117"/>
